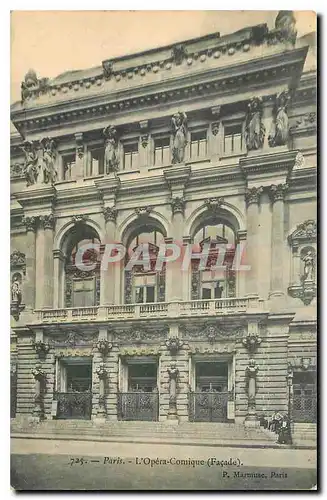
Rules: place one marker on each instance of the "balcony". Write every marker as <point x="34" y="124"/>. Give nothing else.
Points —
<point x="184" y="309"/>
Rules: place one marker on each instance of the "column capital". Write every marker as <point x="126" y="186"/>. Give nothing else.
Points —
<point x="30" y="223"/>
<point x="277" y="192"/>
<point x="110" y="213"/>
<point x="177" y="205"/>
<point x="252" y="195"/>
<point x="47" y="221"/>
<point x="214" y="204"/>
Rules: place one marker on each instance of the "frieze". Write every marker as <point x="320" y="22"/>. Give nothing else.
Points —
<point x="140" y="335"/>
<point x="219" y="349"/>
<point x="69" y="352"/>
<point x="72" y="339"/>
<point x="213" y="333"/>
<point x="305" y="121"/>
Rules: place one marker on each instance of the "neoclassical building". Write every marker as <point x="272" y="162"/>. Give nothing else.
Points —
<point x="208" y="145"/>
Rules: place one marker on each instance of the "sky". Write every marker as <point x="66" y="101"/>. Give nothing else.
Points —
<point x="52" y="42"/>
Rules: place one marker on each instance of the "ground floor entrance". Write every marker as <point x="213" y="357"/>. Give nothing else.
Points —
<point x="304" y="397"/>
<point x="139" y="397"/>
<point x="73" y="399"/>
<point x="208" y="402"/>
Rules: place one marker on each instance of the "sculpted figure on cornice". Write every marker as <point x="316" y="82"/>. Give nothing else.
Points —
<point x="111" y="159"/>
<point x="179" y="129"/>
<point x="285" y="23"/>
<point x="31" y="165"/>
<point x="31" y="84"/>
<point x="280" y="130"/>
<point x="254" y="128"/>
<point x="49" y="157"/>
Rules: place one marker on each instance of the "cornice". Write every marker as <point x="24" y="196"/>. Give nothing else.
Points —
<point x="280" y="163"/>
<point x="270" y="69"/>
<point x="44" y="197"/>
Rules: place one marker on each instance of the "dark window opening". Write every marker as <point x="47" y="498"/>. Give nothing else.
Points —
<point x="69" y="163"/>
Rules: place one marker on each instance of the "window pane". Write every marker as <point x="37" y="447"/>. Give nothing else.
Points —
<point x="139" y="294"/>
<point x="194" y="149"/>
<point x="157" y="156"/>
<point x="203" y="148"/>
<point x="166" y="155"/>
<point x="150" y="294"/>
<point x="228" y="144"/>
<point x="237" y="142"/>
<point x="206" y="293"/>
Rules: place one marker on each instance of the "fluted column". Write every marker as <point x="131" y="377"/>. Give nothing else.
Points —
<point x="277" y="194"/>
<point x="174" y="269"/>
<point x="29" y="282"/>
<point x="46" y="292"/>
<point x="107" y="289"/>
<point x="252" y="197"/>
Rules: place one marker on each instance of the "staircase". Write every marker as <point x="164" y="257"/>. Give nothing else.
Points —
<point x="203" y="433"/>
<point x="305" y="433"/>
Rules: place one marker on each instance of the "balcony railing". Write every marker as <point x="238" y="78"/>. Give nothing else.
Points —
<point x="193" y="308"/>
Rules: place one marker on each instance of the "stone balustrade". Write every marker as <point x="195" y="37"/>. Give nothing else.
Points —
<point x="197" y="308"/>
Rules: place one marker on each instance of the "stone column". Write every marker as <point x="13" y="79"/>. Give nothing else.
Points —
<point x="174" y="268"/>
<point x="58" y="274"/>
<point x="107" y="289"/>
<point x="252" y="198"/>
<point x="30" y="246"/>
<point x="144" y="144"/>
<point x="47" y="222"/>
<point x="277" y="194"/>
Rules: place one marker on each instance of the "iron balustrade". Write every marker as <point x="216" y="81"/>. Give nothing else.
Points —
<point x="209" y="406"/>
<point x="138" y="406"/>
<point x="74" y="405"/>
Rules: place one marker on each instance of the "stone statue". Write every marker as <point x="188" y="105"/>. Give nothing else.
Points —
<point x="31" y="165"/>
<point x="16" y="291"/>
<point x="49" y="158"/>
<point x="251" y="374"/>
<point x="254" y="128"/>
<point x="111" y="160"/>
<point x="309" y="264"/>
<point x="31" y="84"/>
<point x="285" y="23"/>
<point x="279" y="134"/>
<point x="179" y="128"/>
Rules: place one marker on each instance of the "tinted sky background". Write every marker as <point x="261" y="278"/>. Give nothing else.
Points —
<point x="52" y="42"/>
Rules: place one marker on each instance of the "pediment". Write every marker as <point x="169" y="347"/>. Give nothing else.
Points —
<point x="306" y="232"/>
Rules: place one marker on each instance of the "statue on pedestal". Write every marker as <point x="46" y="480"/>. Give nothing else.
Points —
<point x="179" y="128"/>
<point x="279" y="135"/>
<point x="254" y="128"/>
<point x="309" y="264"/>
<point x="49" y="157"/>
<point x="111" y="160"/>
<point x="31" y="165"/>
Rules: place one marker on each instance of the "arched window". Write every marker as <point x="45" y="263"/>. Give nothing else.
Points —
<point x="82" y="287"/>
<point x="143" y="284"/>
<point x="211" y="283"/>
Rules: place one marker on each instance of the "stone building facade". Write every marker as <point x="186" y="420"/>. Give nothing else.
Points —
<point x="206" y="144"/>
